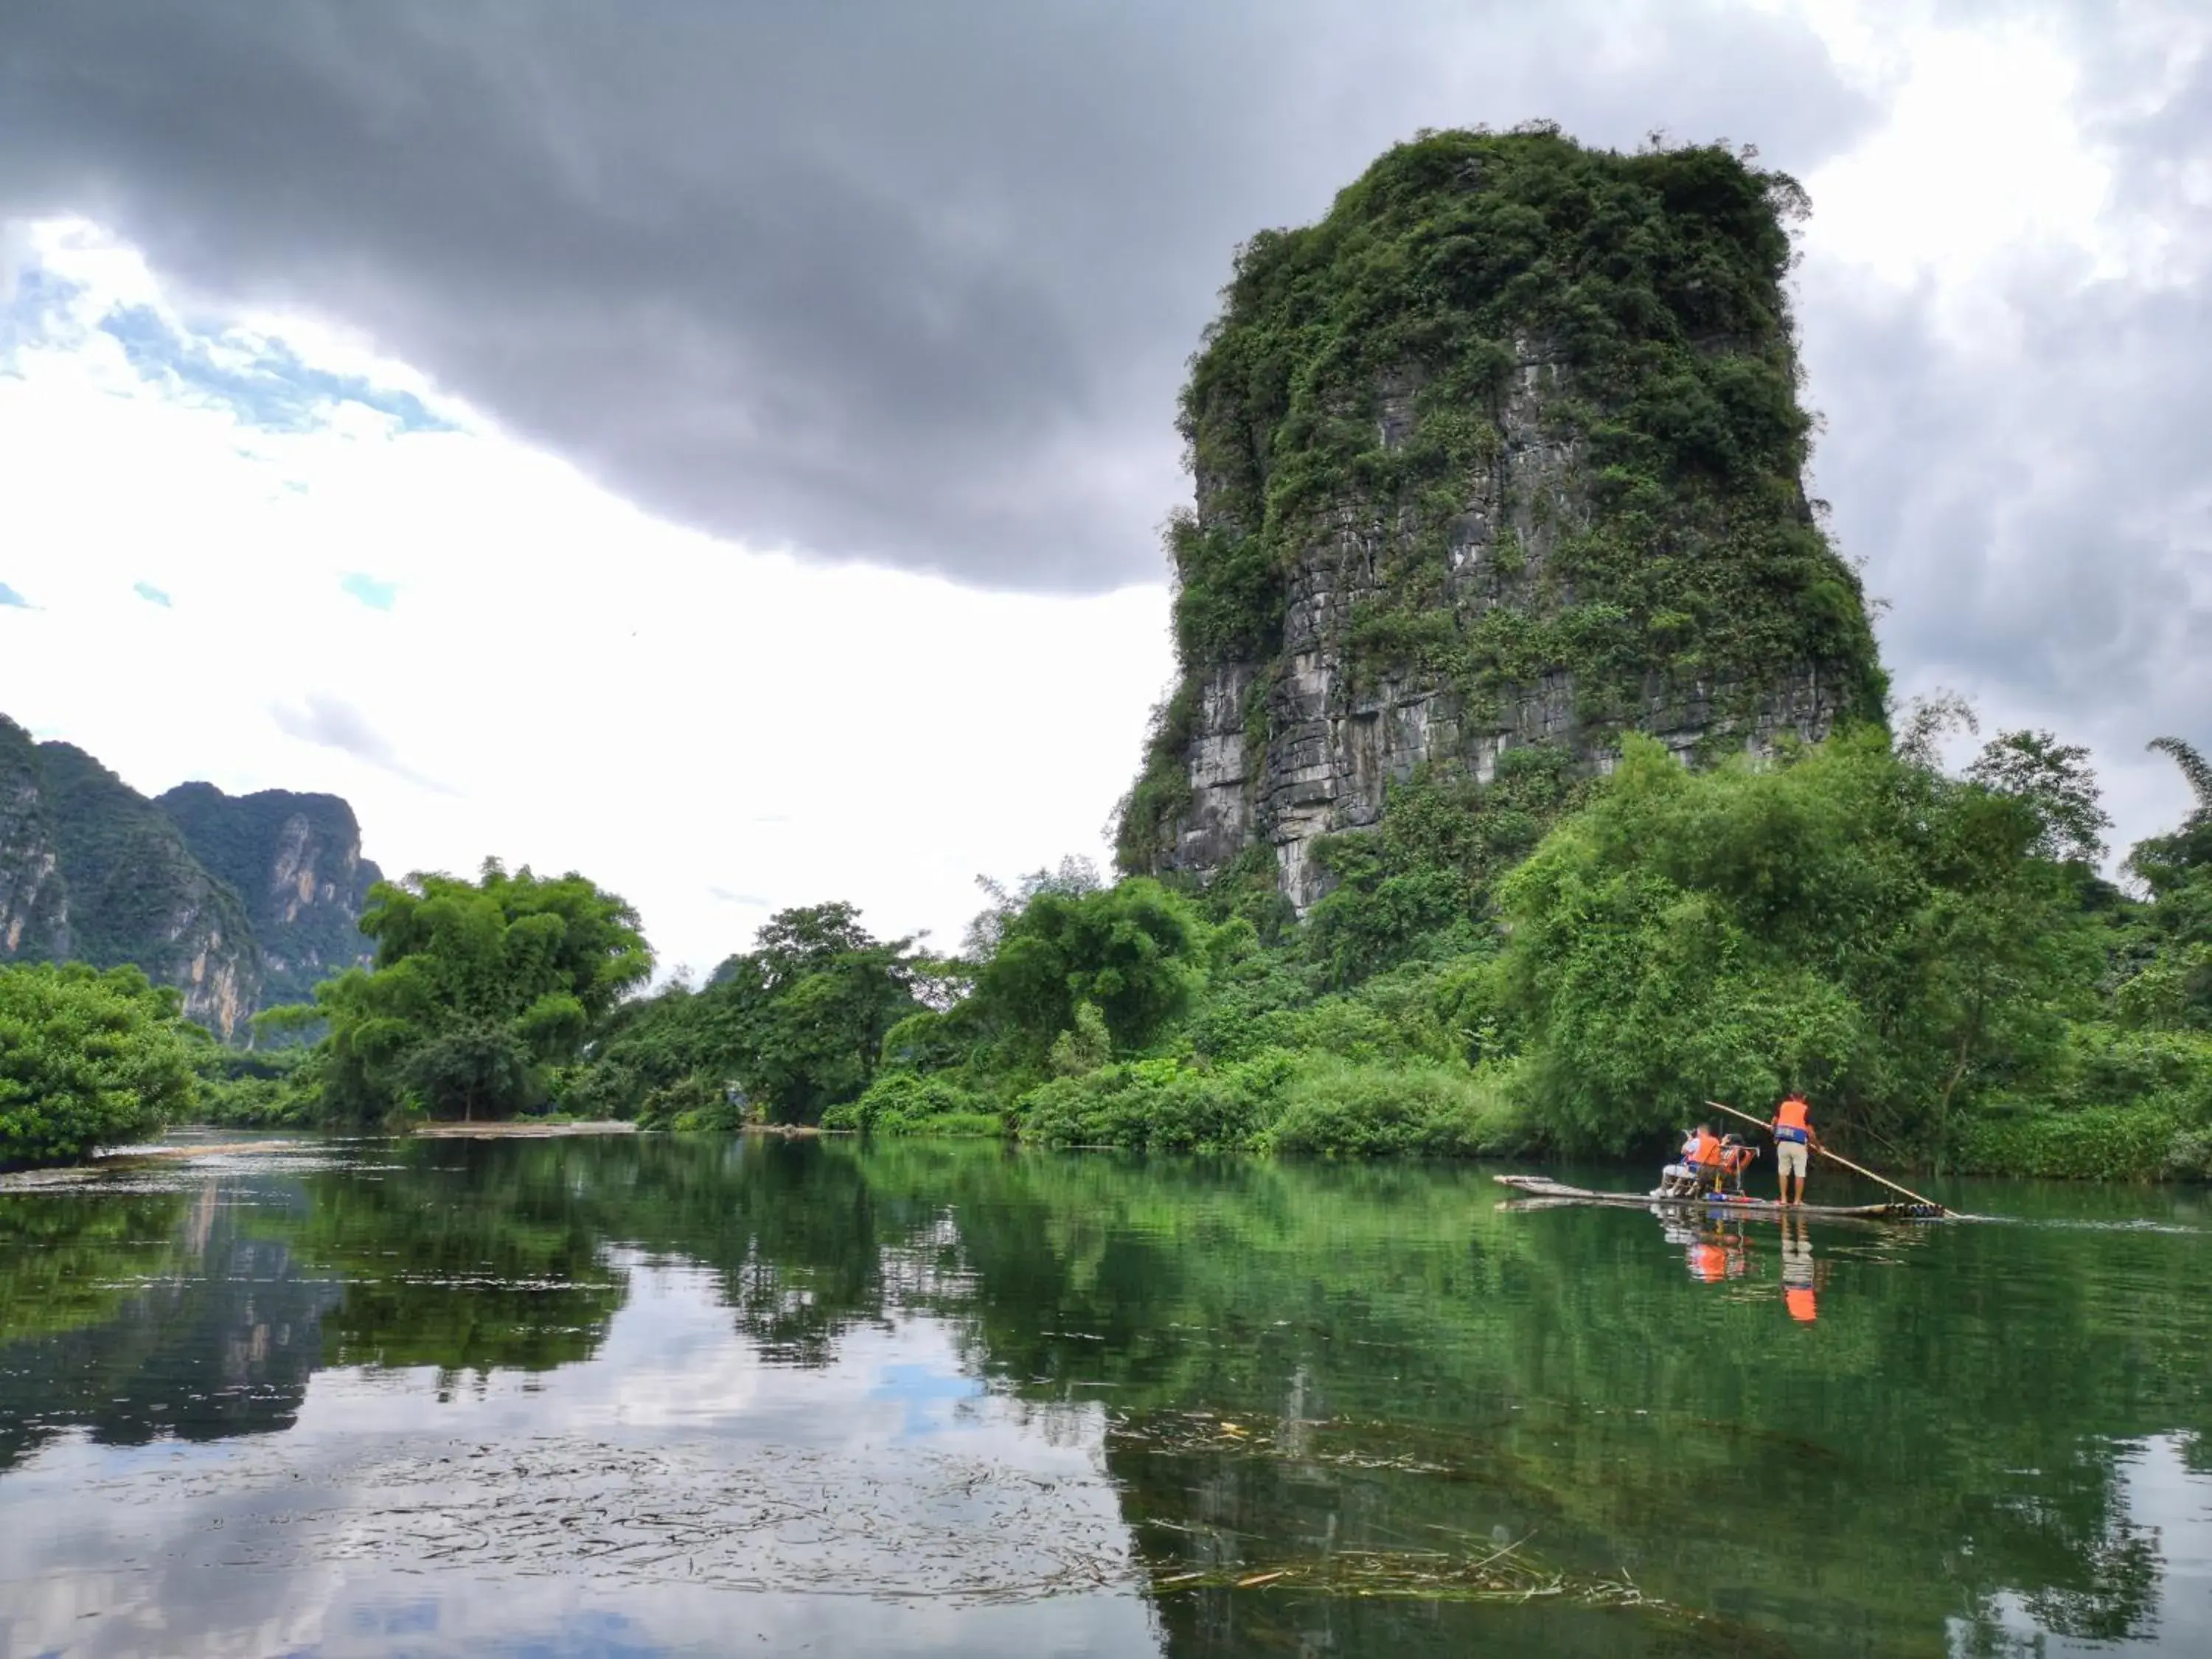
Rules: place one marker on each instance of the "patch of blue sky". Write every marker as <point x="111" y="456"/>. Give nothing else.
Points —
<point x="376" y="594"/>
<point x="38" y="300"/>
<point x="9" y="596"/>
<point x="151" y="594"/>
<point x="264" y="382"/>
<point x="927" y="1394"/>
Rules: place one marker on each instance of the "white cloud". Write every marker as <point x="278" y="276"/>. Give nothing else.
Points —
<point x="1978" y="299"/>
<point x="668" y="713"/>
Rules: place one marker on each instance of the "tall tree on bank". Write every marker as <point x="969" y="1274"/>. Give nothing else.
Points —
<point x="478" y="990"/>
<point x="790" y="1028"/>
<point x="2174" y="988"/>
<point x="1852" y="922"/>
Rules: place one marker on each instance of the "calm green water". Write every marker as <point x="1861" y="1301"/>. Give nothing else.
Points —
<point x="638" y="1396"/>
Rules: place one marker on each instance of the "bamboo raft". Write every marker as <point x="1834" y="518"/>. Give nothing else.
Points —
<point x="1545" y="1192"/>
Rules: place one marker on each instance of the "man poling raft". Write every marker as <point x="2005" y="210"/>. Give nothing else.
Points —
<point x="1706" y="1164"/>
<point x="1924" y="1208"/>
<point x="1792" y="1130"/>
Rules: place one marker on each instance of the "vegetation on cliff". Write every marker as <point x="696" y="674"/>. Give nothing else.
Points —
<point x="235" y="902"/>
<point x="34" y="898"/>
<point x="294" y="860"/>
<point x="1652" y="284"/>
<point x="135" y="893"/>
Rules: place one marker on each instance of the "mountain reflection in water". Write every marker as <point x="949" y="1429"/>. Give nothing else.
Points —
<point x="668" y="1395"/>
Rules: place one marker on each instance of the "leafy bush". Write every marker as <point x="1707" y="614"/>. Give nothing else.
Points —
<point x="1161" y="1104"/>
<point x="250" y="1088"/>
<point x="1417" y="886"/>
<point x="2093" y="1143"/>
<point x="2123" y="1105"/>
<point x="1851" y="922"/>
<point x="903" y="1103"/>
<point x="86" y="1060"/>
<point x="1340" y="1106"/>
<point x="689" y="1104"/>
<point x="2189" y="1155"/>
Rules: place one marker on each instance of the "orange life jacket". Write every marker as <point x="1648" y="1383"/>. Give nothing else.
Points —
<point x="1789" y="1123"/>
<point x="1707" y="1150"/>
<point x="1799" y="1301"/>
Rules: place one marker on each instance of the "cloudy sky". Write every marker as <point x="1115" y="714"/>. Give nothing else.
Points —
<point x="722" y="447"/>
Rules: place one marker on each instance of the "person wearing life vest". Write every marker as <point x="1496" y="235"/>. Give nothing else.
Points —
<point x="1794" y="1139"/>
<point x="1679" y="1178"/>
<point x="1736" y="1159"/>
<point x="1707" y="1157"/>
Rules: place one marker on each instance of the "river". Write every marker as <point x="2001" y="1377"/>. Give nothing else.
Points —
<point x="648" y="1395"/>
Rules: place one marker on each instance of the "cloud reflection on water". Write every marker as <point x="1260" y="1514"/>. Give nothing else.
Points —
<point x="606" y="1507"/>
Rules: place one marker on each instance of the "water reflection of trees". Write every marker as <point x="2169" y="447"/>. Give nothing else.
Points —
<point x="1544" y="1384"/>
<point x="1402" y="1365"/>
<point x="133" y="1317"/>
<point x="454" y="1257"/>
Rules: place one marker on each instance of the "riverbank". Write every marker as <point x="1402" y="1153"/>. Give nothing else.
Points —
<point x="130" y="1158"/>
<point x="521" y="1131"/>
<point x="1426" y="1112"/>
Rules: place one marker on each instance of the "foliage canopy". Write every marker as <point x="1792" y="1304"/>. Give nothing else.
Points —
<point x="478" y="988"/>
<point x="88" y="1060"/>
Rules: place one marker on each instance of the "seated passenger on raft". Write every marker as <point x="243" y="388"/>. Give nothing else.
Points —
<point x="1736" y="1157"/>
<point x="1702" y="1166"/>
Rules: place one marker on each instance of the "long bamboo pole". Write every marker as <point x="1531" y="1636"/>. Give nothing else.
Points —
<point x="1839" y="1158"/>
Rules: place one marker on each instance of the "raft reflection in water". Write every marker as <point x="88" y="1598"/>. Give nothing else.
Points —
<point x="1715" y="1251"/>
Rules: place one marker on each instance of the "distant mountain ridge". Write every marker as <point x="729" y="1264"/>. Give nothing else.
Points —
<point x="240" y="901"/>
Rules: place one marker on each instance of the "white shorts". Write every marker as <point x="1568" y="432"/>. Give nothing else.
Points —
<point x="1789" y="1157"/>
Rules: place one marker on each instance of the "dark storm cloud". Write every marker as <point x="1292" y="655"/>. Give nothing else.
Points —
<point x="908" y="283"/>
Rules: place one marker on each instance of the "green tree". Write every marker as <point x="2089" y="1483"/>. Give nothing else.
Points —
<point x="2054" y="779"/>
<point x="1133" y="951"/>
<point x="797" y="1024"/>
<point x="1418" y="885"/>
<point x="86" y="1060"/>
<point x="478" y="990"/>
<point x="2172" y="984"/>
<point x="1851" y="922"/>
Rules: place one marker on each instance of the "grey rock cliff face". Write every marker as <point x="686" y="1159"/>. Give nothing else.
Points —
<point x="137" y="895"/>
<point x="240" y="901"/>
<point x="34" y="898"/>
<point x="1331" y="741"/>
<point x="295" y="861"/>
